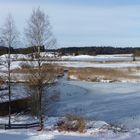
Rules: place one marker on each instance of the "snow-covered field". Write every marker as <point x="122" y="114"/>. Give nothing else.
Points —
<point x="54" y="135"/>
<point x="107" y="61"/>
<point x="103" y="61"/>
<point x="96" y="130"/>
<point x="101" y="104"/>
<point x="77" y="64"/>
<point x="116" y="57"/>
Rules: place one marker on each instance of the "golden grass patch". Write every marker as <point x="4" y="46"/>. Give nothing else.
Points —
<point x="97" y="74"/>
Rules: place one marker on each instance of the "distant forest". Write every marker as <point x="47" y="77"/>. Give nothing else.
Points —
<point x="77" y="50"/>
<point x="97" y="51"/>
<point x="4" y="50"/>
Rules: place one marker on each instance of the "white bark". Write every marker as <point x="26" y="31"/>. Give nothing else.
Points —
<point x="38" y="34"/>
<point x="9" y="36"/>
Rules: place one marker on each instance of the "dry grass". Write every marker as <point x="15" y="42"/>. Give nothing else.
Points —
<point x="1" y="81"/>
<point x="47" y="71"/>
<point x="72" y="123"/>
<point x="97" y="74"/>
<point x="25" y="68"/>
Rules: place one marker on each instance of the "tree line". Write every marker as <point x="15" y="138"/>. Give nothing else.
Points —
<point x="27" y="50"/>
<point x="98" y="50"/>
<point x="93" y="50"/>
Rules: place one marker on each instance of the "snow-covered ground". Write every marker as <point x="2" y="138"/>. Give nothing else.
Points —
<point x="34" y="135"/>
<point x="107" y="61"/>
<point x="77" y="64"/>
<point x="27" y="56"/>
<point x="55" y="135"/>
<point x="98" y="61"/>
<point x="116" y="57"/>
<point x="96" y="130"/>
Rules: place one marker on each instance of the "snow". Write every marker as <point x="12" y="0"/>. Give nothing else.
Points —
<point x="19" y="91"/>
<point x="99" y="61"/>
<point x="77" y="64"/>
<point x="97" y="130"/>
<point x="23" y="135"/>
<point x="14" y="65"/>
<point x="13" y="57"/>
<point x="73" y="77"/>
<point x="16" y="60"/>
<point x="116" y="57"/>
<point x="27" y="56"/>
<point x="49" y="54"/>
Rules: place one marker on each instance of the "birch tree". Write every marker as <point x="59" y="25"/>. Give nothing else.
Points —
<point x="39" y="35"/>
<point x="9" y="37"/>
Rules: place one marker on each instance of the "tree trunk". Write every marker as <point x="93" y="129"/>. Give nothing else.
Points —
<point x="40" y="112"/>
<point x="40" y="91"/>
<point x="9" y="87"/>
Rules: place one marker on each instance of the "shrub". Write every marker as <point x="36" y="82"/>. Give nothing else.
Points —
<point x="1" y="82"/>
<point x="72" y="123"/>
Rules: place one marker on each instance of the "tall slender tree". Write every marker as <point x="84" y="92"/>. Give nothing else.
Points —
<point x="9" y="36"/>
<point x="39" y="35"/>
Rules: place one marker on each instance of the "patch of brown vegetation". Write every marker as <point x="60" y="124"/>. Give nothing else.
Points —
<point x="72" y="123"/>
<point x="25" y="68"/>
<point x="98" y="74"/>
<point x="1" y="81"/>
<point x="48" y="70"/>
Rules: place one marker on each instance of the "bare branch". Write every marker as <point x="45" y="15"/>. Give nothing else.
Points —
<point x="9" y="33"/>
<point x="38" y="31"/>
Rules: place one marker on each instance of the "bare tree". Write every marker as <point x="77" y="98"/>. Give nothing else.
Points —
<point x="9" y="36"/>
<point x="39" y="35"/>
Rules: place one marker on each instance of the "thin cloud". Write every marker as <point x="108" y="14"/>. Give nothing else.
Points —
<point x="79" y="25"/>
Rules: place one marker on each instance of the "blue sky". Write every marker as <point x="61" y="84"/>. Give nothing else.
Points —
<point x="83" y="22"/>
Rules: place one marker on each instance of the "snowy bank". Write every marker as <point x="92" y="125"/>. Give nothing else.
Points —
<point x="97" y="130"/>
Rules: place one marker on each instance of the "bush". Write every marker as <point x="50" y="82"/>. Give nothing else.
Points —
<point x="1" y="82"/>
<point x="72" y="123"/>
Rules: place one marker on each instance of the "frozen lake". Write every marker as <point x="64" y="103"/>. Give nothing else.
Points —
<point x="110" y="102"/>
